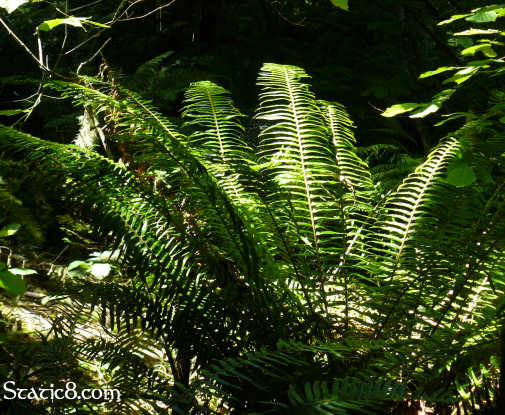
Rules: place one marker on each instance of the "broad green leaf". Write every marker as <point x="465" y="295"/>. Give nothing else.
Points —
<point x="463" y="75"/>
<point x="483" y="63"/>
<point x="454" y="18"/>
<point x="343" y="4"/>
<point x="12" y="112"/>
<point x="472" y="32"/>
<point x="426" y="110"/>
<point x="460" y="174"/>
<point x="22" y="271"/>
<point x="11" y="5"/>
<point x="483" y="16"/>
<point x="485" y="48"/>
<point x="443" y="96"/>
<point x="400" y="109"/>
<point x="436" y="71"/>
<point x="100" y="270"/>
<point x="458" y="79"/>
<point x="13" y="284"/>
<point x="76" y="264"/>
<point x="489" y="52"/>
<point x="468" y="70"/>
<point x="9" y="230"/>
<point x="497" y="8"/>
<point x="464" y="42"/>
<point x="48" y="25"/>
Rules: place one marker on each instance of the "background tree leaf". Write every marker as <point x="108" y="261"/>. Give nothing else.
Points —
<point x="400" y="109"/>
<point x="9" y="230"/>
<point x="460" y="174"/>
<point x="484" y="16"/>
<point x="436" y="71"/>
<point x="426" y="110"/>
<point x="48" y="25"/>
<point x="343" y="4"/>
<point x="13" y="284"/>
<point x="22" y="271"/>
<point x="11" y="5"/>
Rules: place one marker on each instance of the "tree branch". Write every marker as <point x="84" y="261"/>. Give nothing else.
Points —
<point x="23" y="45"/>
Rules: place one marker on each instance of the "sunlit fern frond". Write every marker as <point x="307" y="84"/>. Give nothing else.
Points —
<point x="408" y="211"/>
<point x="218" y="133"/>
<point x="354" y="172"/>
<point x="299" y="155"/>
<point x="177" y="279"/>
<point x="409" y="207"/>
<point x="440" y="258"/>
<point x="136" y="119"/>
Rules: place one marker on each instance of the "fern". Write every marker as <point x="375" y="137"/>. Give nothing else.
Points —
<point x="299" y="157"/>
<point x="283" y="278"/>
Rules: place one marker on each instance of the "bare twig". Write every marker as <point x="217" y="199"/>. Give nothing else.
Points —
<point x="85" y="5"/>
<point x="25" y="117"/>
<point x="94" y="55"/>
<point x="39" y="44"/>
<point x="115" y="18"/>
<point x="64" y="42"/>
<point x="21" y="99"/>
<point x="60" y="254"/>
<point x="118" y="17"/>
<point x="40" y="63"/>
<point x="139" y="17"/>
<point x="68" y="52"/>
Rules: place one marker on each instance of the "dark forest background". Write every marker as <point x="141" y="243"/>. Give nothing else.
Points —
<point x="368" y="58"/>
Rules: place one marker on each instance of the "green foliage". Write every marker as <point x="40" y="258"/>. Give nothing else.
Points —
<point x="10" y="281"/>
<point x="48" y="25"/>
<point x="478" y="41"/>
<point x="11" y="5"/>
<point x="343" y="4"/>
<point x="9" y="230"/>
<point x="278" y="277"/>
<point x="460" y="174"/>
<point x="11" y="278"/>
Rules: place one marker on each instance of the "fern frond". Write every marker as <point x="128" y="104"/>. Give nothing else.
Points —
<point x="219" y="135"/>
<point x="209" y="108"/>
<point x="134" y="116"/>
<point x="354" y="172"/>
<point x="177" y="284"/>
<point x="300" y="157"/>
<point x="411" y="203"/>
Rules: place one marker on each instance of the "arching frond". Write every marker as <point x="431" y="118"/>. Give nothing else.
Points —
<point x="219" y="135"/>
<point x="300" y="157"/>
